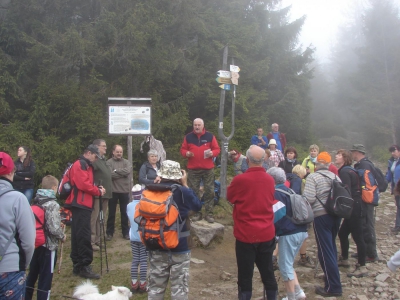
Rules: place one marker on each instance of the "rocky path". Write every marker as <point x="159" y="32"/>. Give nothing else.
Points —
<point x="216" y="277"/>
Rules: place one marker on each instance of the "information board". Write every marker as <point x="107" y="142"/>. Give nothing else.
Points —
<point x="126" y="119"/>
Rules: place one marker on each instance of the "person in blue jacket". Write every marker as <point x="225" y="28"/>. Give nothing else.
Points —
<point x="393" y="176"/>
<point x="291" y="237"/>
<point x="259" y="139"/>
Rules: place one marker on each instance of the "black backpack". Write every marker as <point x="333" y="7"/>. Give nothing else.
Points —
<point x="379" y="177"/>
<point x="339" y="203"/>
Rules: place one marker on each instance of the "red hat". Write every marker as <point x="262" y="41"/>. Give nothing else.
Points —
<point x="6" y="163"/>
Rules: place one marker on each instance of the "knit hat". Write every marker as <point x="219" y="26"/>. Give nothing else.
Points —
<point x="6" y="164"/>
<point x="170" y="170"/>
<point x="324" y="158"/>
<point x="358" y="147"/>
<point x="272" y="142"/>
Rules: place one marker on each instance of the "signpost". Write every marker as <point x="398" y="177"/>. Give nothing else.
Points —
<point x="223" y="73"/>
<point x="223" y="80"/>
<point x="226" y="87"/>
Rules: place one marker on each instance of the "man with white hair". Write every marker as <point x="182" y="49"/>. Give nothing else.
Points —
<point x="252" y="194"/>
<point x="280" y="138"/>
<point x="199" y="147"/>
<point x="326" y="226"/>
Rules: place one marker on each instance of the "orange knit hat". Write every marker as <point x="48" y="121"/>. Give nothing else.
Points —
<point x="324" y="158"/>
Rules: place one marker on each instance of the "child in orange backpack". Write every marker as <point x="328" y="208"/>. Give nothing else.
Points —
<point x="48" y="233"/>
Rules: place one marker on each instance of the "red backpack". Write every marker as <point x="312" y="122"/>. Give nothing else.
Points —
<point x="41" y="229"/>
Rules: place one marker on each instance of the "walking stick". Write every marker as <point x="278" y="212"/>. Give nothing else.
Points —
<point x="61" y="250"/>
<point x="101" y="219"/>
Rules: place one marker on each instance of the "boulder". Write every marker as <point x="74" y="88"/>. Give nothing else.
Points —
<point x="206" y="232"/>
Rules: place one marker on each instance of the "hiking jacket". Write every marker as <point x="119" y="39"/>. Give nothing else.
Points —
<point x="83" y="188"/>
<point x="120" y="170"/>
<point x="393" y="178"/>
<point x="287" y="166"/>
<point x="54" y="232"/>
<point x="252" y="194"/>
<point x="319" y="186"/>
<point x="285" y="226"/>
<point x="147" y="173"/>
<point x="254" y="141"/>
<point x="133" y="231"/>
<point x="16" y="218"/>
<point x="197" y="144"/>
<point x="295" y="182"/>
<point x="308" y="164"/>
<point x="352" y="181"/>
<point x="282" y="139"/>
<point x="101" y="171"/>
<point x="19" y="182"/>
<point x="366" y="164"/>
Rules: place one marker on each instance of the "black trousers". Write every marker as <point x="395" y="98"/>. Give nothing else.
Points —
<point x="42" y="265"/>
<point x="260" y="254"/>
<point x="81" y="247"/>
<point x="355" y="227"/>
<point x="123" y="199"/>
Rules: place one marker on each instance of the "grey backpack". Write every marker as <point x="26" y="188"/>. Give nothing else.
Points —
<point x="302" y="212"/>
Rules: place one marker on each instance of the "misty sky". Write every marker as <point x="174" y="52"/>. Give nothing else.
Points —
<point x="323" y="19"/>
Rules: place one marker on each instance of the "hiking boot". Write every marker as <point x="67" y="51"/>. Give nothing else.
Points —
<point x="143" y="287"/>
<point x="359" y="271"/>
<point x="86" y="272"/>
<point x="95" y="247"/>
<point x="135" y="286"/>
<point x="126" y="237"/>
<point x="109" y="237"/>
<point x="306" y="261"/>
<point x="321" y="291"/>
<point x="76" y="270"/>
<point x="395" y="229"/>
<point x="343" y="262"/>
<point x="371" y="259"/>
<point x="275" y="265"/>
<point x="196" y="217"/>
<point x="209" y="219"/>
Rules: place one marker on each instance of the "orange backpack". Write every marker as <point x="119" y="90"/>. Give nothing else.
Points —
<point x="157" y="216"/>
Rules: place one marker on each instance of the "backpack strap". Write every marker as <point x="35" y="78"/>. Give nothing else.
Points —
<point x="4" y="249"/>
<point x="287" y="193"/>
<point x="323" y="205"/>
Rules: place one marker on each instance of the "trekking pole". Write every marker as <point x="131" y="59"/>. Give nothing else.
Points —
<point x="101" y="219"/>
<point x="61" y="250"/>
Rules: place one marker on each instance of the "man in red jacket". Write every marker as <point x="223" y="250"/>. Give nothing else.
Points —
<point x="252" y="194"/>
<point x="80" y="201"/>
<point x="199" y="147"/>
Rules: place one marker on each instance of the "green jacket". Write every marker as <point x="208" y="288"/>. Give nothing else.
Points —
<point x="102" y="171"/>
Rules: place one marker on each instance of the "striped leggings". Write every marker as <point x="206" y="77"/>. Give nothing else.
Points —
<point x="139" y="257"/>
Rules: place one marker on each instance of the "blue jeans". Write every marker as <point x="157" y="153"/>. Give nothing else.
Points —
<point x="326" y="228"/>
<point x="12" y="285"/>
<point x="289" y="246"/>
<point x="28" y="194"/>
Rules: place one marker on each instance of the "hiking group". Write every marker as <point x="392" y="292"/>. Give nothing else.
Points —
<point x="332" y="197"/>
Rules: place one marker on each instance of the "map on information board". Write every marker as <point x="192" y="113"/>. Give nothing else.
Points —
<point x="129" y="119"/>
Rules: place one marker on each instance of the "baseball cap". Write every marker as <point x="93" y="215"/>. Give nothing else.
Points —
<point x="324" y="158"/>
<point x="359" y="148"/>
<point x="6" y="163"/>
<point x="93" y="148"/>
